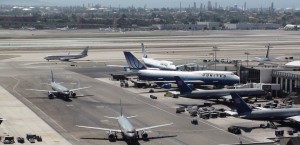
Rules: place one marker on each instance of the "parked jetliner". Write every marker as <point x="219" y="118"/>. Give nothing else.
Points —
<point x="266" y="58"/>
<point x="244" y="111"/>
<point x="186" y="91"/>
<point x="83" y="54"/>
<point x="59" y="90"/>
<point x="126" y="128"/>
<point x="161" y="64"/>
<point x="164" y="78"/>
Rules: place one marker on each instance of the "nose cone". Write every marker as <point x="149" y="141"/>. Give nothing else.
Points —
<point x="237" y="79"/>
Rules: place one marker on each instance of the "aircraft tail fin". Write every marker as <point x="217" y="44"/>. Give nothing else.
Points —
<point x="85" y="51"/>
<point x="133" y="62"/>
<point x="240" y="105"/>
<point x="182" y="86"/>
<point x="267" y="55"/>
<point x="144" y="51"/>
<point x="52" y="78"/>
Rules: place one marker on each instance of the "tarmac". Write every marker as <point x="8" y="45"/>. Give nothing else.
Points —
<point x="23" y="67"/>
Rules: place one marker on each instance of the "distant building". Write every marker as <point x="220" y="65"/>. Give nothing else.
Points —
<point x="198" y="26"/>
<point x="251" y="26"/>
<point x="209" y="6"/>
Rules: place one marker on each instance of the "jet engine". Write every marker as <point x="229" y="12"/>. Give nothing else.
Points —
<point x="50" y="95"/>
<point x="166" y="86"/>
<point x="111" y="136"/>
<point x="144" y="135"/>
<point x="73" y="94"/>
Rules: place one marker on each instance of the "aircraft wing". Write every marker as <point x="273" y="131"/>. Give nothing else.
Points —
<point x="42" y="90"/>
<point x="151" y="127"/>
<point x="80" y="88"/>
<point x="294" y="118"/>
<point x="99" y="128"/>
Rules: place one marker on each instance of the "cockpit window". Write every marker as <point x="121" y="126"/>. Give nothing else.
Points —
<point x="130" y="131"/>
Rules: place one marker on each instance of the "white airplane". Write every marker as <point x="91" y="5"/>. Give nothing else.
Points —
<point x="291" y="27"/>
<point x="126" y="128"/>
<point x="266" y="58"/>
<point x="59" y="90"/>
<point x="161" y="64"/>
<point x="164" y="78"/>
<point x="64" y="28"/>
<point x="84" y="53"/>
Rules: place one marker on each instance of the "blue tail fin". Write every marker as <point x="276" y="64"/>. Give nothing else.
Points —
<point x="52" y="78"/>
<point x="144" y="51"/>
<point x="133" y="62"/>
<point x="85" y="51"/>
<point x="240" y="105"/>
<point x="182" y="86"/>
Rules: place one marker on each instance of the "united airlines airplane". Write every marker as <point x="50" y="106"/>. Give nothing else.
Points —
<point x="164" y="78"/>
<point x="84" y="53"/>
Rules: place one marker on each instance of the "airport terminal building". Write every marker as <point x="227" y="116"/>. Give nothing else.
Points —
<point x="288" y="78"/>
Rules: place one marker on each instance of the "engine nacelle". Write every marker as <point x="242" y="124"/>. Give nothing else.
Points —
<point x="111" y="136"/>
<point x="190" y="86"/>
<point x="166" y="86"/>
<point x="50" y="95"/>
<point x="144" y="135"/>
<point x="72" y="94"/>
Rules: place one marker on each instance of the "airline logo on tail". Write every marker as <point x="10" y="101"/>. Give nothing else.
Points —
<point x="133" y="62"/>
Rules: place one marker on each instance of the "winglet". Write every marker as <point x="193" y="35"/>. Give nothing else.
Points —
<point x="133" y="62"/>
<point x="240" y="105"/>
<point x="52" y="78"/>
<point x="182" y="86"/>
<point x="144" y="51"/>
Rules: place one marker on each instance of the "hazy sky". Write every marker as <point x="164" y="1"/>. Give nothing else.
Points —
<point x="160" y="3"/>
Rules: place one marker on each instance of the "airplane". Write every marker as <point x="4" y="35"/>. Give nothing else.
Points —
<point x="291" y="27"/>
<point x="83" y="54"/>
<point x="161" y="64"/>
<point x="164" y="78"/>
<point x="245" y="112"/>
<point x="266" y="58"/>
<point x="64" y="28"/>
<point x="59" y="90"/>
<point x="127" y="130"/>
<point x="186" y="91"/>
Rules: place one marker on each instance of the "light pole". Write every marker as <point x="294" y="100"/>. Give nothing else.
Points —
<point x="247" y="53"/>
<point x="215" y="49"/>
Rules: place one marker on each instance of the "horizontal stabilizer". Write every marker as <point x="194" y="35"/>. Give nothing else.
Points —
<point x="131" y="116"/>
<point x="111" y="117"/>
